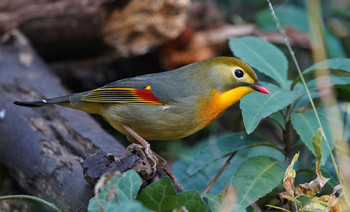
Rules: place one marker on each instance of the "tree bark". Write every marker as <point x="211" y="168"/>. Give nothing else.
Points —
<point x="43" y="148"/>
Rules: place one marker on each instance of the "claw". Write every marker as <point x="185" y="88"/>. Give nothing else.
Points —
<point x="151" y="156"/>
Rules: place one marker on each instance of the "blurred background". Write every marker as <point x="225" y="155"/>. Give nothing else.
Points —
<point x="90" y="43"/>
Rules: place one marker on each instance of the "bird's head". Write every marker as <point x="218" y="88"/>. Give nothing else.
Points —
<point x="229" y="73"/>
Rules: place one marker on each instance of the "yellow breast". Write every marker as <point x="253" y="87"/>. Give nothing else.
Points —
<point x="209" y="109"/>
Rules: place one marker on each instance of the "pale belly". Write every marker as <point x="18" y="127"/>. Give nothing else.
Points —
<point x="154" y="122"/>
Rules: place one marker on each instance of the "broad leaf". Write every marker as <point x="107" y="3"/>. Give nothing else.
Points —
<point x="334" y="81"/>
<point x="292" y="16"/>
<point x="278" y="118"/>
<point x="160" y="196"/>
<point x="200" y="180"/>
<point x="117" y="190"/>
<point x="213" y="201"/>
<point x="288" y="15"/>
<point x="256" y="106"/>
<point x="256" y="177"/>
<point x="335" y="64"/>
<point x="220" y="148"/>
<point x="335" y="48"/>
<point x="306" y="126"/>
<point x="263" y="56"/>
<point x="131" y="206"/>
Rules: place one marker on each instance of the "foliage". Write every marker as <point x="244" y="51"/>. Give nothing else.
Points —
<point x="255" y="175"/>
<point x="251" y="184"/>
<point x="119" y="192"/>
<point x="160" y="196"/>
<point x="294" y="16"/>
<point x="259" y="166"/>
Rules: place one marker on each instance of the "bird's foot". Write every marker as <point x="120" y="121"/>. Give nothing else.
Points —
<point x="148" y="154"/>
<point x="153" y="157"/>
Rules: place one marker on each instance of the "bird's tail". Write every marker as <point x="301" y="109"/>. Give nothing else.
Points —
<point x="63" y="101"/>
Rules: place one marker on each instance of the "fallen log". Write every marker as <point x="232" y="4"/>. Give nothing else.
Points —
<point x="43" y="148"/>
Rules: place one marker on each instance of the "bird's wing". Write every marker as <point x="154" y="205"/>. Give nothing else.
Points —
<point x="127" y="91"/>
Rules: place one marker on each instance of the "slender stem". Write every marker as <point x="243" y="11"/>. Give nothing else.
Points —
<point x="219" y="173"/>
<point x="44" y="202"/>
<point x="287" y="130"/>
<point x="304" y="83"/>
<point x="345" y="120"/>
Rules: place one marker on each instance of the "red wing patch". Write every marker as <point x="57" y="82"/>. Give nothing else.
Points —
<point x="122" y="96"/>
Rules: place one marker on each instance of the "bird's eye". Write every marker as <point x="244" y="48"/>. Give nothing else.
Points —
<point x="239" y="73"/>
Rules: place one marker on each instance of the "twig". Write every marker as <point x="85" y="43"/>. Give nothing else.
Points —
<point x="219" y="173"/>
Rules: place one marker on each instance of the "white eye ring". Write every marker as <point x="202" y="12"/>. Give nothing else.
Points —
<point x="239" y="73"/>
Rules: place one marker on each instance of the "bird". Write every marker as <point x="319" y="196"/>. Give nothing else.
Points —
<point x="167" y="105"/>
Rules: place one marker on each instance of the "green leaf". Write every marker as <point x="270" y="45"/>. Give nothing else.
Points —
<point x="263" y="56"/>
<point x="287" y="14"/>
<point x="256" y="106"/>
<point x="335" y="64"/>
<point x="334" y="81"/>
<point x="292" y="16"/>
<point x="214" y="201"/>
<point x="341" y="82"/>
<point x="160" y="196"/>
<point x="119" y="189"/>
<point x="316" y="143"/>
<point x="278" y="118"/>
<point x="131" y="206"/>
<point x="306" y="126"/>
<point x="200" y="180"/>
<point x="220" y="148"/>
<point x="333" y="44"/>
<point x="256" y="177"/>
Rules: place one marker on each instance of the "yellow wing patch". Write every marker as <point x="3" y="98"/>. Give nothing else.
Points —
<point x="122" y="96"/>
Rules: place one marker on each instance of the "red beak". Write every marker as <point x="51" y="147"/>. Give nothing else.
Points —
<point x="259" y="87"/>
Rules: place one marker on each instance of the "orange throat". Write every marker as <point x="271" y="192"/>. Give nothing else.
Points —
<point x="210" y="109"/>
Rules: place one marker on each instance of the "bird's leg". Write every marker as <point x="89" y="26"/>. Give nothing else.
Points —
<point x="144" y="144"/>
<point x="152" y="156"/>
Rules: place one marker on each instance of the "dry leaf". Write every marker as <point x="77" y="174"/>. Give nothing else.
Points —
<point x="315" y="186"/>
<point x="289" y="176"/>
<point x="317" y="204"/>
<point x="333" y="203"/>
<point x="309" y="189"/>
